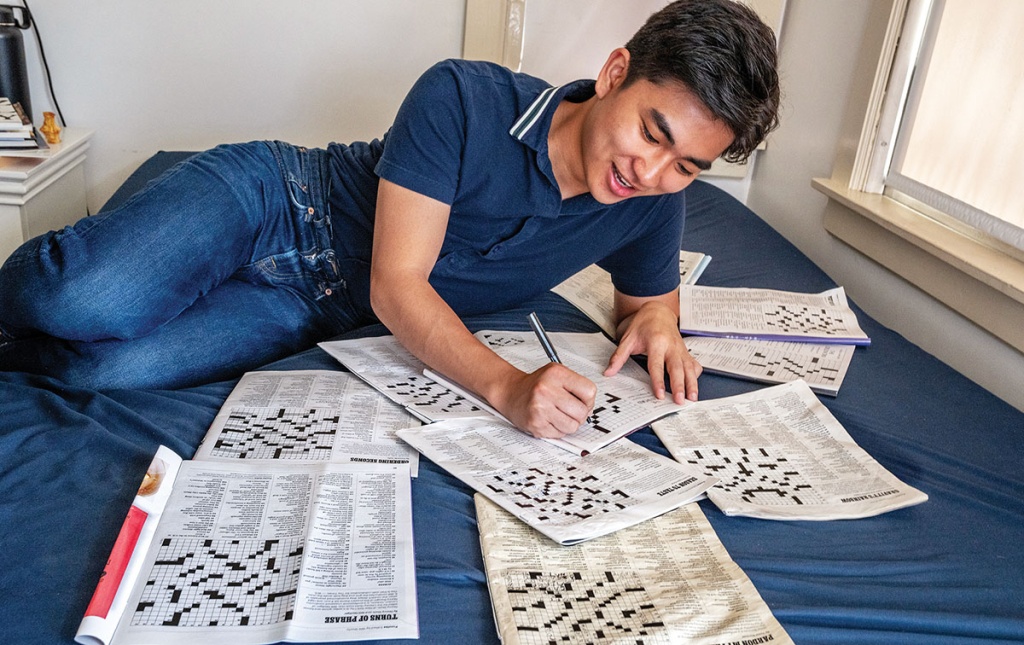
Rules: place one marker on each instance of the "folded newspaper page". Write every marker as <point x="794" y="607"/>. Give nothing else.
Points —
<point x="781" y="455"/>
<point x="312" y="415"/>
<point x="822" y="366"/>
<point x="565" y="496"/>
<point x="392" y="370"/>
<point x="668" y="580"/>
<point x="768" y="314"/>
<point x="624" y="402"/>
<point x="260" y="552"/>
<point x="591" y="289"/>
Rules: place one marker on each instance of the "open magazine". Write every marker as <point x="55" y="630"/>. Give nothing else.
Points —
<point x="780" y="454"/>
<point x="294" y="522"/>
<point x="567" y="497"/>
<point x="668" y="580"/>
<point x="244" y="554"/>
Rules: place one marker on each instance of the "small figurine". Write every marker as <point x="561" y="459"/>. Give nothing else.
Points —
<point x="50" y="129"/>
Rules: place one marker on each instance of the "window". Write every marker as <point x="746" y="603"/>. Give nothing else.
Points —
<point x="950" y="138"/>
<point x="932" y="188"/>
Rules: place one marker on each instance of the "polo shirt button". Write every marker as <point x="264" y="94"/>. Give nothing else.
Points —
<point x="327" y="292"/>
<point x="310" y="210"/>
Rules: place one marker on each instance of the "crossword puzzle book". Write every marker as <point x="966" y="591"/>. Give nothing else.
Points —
<point x="823" y="366"/>
<point x="668" y="580"/>
<point x="260" y="552"/>
<point x="769" y="314"/>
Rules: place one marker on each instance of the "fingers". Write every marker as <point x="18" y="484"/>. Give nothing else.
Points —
<point x="558" y="402"/>
<point x="617" y="360"/>
<point x="683" y="375"/>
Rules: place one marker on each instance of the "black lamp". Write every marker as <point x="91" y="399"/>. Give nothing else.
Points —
<point x="13" y="72"/>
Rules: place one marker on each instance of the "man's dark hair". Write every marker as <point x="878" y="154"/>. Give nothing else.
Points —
<point x="722" y="52"/>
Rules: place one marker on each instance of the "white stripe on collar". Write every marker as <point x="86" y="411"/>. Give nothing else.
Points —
<point x="526" y="121"/>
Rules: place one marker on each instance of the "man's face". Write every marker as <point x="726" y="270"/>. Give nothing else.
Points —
<point x="647" y="138"/>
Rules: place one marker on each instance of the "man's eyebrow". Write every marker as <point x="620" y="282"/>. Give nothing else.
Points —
<point x="662" y="123"/>
<point x="703" y="164"/>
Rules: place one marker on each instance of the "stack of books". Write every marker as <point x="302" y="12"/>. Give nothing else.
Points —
<point x="17" y="136"/>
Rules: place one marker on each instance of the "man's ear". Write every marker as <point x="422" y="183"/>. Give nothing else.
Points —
<point x="613" y="73"/>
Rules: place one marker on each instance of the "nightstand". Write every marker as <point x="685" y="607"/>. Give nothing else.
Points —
<point x="42" y="193"/>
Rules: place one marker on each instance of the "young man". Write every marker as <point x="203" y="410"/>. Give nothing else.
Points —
<point x="490" y="188"/>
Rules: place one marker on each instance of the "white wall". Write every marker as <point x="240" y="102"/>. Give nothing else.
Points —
<point x="189" y="74"/>
<point x="820" y="50"/>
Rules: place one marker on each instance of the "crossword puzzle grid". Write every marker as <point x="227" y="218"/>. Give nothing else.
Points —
<point x="609" y="407"/>
<point x="777" y="364"/>
<point x="277" y="433"/>
<point x="196" y="583"/>
<point x="583" y="607"/>
<point x="755" y="475"/>
<point x="804" y="319"/>
<point x="430" y="397"/>
<point x="552" y="496"/>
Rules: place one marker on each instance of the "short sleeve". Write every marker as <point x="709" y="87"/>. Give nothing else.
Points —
<point x="423" y="148"/>
<point x="649" y="264"/>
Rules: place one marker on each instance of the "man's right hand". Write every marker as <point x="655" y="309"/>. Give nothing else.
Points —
<point x="549" y="403"/>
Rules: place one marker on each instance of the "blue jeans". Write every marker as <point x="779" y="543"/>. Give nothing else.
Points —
<point x="219" y="265"/>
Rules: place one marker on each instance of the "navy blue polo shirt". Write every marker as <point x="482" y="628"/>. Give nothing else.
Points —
<point x="474" y="135"/>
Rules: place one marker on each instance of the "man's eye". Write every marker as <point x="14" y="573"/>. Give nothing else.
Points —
<point x="647" y="133"/>
<point x="684" y="171"/>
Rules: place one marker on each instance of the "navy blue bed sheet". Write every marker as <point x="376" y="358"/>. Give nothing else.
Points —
<point x="949" y="571"/>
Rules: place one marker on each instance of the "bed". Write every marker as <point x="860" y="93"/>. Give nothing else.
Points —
<point x="948" y="571"/>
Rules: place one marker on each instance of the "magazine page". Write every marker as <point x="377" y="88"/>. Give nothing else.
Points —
<point x="393" y="371"/>
<point x="565" y="496"/>
<point x="133" y="541"/>
<point x="781" y="455"/>
<point x="624" y="402"/>
<point x="311" y="415"/>
<point x="591" y="289"/>
<point x="279" y="551"/>
<point x="822" y="366"/>
<point x="768" y="314"/>
<point x="667" y="580"/>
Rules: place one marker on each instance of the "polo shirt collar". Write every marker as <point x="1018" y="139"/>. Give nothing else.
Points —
<point x="532" y="127"/>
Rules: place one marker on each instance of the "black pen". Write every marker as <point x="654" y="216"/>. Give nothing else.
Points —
<point x="542" y="336"/>
<point x="545" y="342"/>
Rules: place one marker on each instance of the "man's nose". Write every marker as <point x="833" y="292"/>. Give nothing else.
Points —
<point x="652" y="166"/>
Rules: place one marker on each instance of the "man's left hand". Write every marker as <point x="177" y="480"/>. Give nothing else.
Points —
<point x="653" y="329"/>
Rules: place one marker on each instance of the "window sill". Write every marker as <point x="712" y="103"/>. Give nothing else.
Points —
<point x="981" y="283"/>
